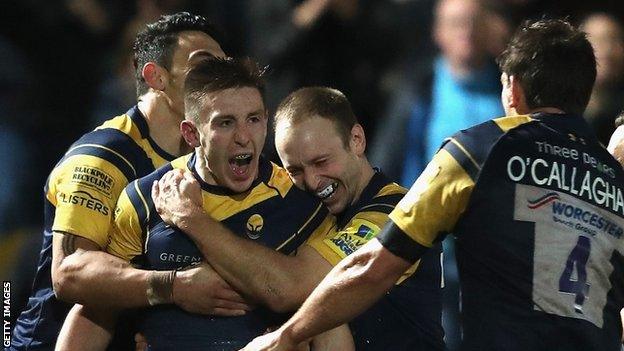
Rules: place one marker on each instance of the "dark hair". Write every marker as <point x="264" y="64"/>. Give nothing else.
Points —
<point x="157" y="42"/>
<point x="619" y="120"/>
<point x="324" y="102"/>
<point x="554" y="63"/>
<point x="216" y="74"/>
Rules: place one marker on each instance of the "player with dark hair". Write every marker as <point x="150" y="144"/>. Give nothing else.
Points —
<point x="536" y="205"/>
<point x="83" y="188"/>
<point x="321" y="145"/>
<point x="226" y="124"/>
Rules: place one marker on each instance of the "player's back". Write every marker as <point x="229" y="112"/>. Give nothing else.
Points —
<point x="539" y="247"/>
<point x="80" y="195"/>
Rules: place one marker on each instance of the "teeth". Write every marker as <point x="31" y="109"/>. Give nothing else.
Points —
<point x="242" y="159"/>
<point x="328" y="191"/>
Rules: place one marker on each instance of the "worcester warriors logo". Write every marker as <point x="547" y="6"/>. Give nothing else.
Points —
<point x="254" y="226"/>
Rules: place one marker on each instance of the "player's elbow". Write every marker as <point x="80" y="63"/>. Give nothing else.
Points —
<point x="286" y="295"/>
<point x="65" y="280"/>
<point x="286" y="301"/>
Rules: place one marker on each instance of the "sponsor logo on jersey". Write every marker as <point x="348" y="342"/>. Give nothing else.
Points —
<point x="94" y="178"/>
<point x="254" y="226"/>
<point x="576" y="217"/>
<point x="349" y="240"/>
<point x="539" y="202"/>
<point x="84" y="199"/>
<point x="178" y="258"/>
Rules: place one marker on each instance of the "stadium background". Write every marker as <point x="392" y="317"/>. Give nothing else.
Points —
<point x="66" y="65"/>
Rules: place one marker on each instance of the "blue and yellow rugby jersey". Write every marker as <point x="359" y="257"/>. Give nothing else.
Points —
<point x="409" y="316"/>
<point x="536" y="204"/>
<point x="273" y="212"/>
<point x="80" y="196"/>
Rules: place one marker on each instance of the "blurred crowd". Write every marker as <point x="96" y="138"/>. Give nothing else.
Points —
<point x="415" y="71"/>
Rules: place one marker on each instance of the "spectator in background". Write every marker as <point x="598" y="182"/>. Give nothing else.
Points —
<point x="460" y="89"/>
<point x="606" y="35"/>
<point x="339" y="43"/>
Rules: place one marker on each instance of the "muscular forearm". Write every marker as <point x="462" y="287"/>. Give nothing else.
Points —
<point x="348" y="290"/>
<point x="97" y="278"/>
<point x="281" y="282"/>
<point x="86" y="329"/>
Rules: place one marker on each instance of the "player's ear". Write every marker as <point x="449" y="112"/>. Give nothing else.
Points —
<point x="190" y="133"/>
<point x="357" y="140"/>
<point x="155" y="76"/>
<point x="517" y="99"/>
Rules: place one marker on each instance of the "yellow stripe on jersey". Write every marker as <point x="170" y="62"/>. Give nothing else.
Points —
<point x="435" y="201"/>
<point x="124" y="124"/>
<point x="107" y="149"/>
<point x="280" y="180"/>
<point x="391" y="189"/>
<point x="507" y="123"/>
<point x="84" y="190"/>
<point x="127" y="231"/>
<point x="466" y="153"/>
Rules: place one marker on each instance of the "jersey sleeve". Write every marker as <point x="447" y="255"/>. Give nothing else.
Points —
<point x="127" y="232"/>
<point x="334" y="245"/>
<point x="435" y="202"/>
<point x="84" y="190"/>
<point x="338" y="244"/>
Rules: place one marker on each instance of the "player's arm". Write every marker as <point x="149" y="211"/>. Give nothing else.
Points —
<point x="279" y="281"/>
<point x="88" y="329"/>
<point x="97" y="278"/>
<point x="432" y="206"/>
<point x="84" y="190"/>
<point x="339" y="338"/>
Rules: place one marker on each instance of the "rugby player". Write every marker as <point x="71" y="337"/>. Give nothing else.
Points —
<point x="322" y="147"/>
<point x="537" y="207"/>
<point x="82" y="190"/>
<point x="226" y="124"/>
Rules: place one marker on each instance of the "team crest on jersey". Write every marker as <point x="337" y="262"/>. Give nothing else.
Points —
<point x="255" y="223"/>
<point x="345" y="242"/>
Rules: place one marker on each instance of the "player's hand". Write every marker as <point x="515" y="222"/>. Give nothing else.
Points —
<point x="177" y="197"/>
<point x="200" y="289"/>
<point x="275" y="341"/>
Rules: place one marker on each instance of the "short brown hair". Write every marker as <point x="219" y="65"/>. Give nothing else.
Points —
<point x="324" y="102"/>
<point x="216" y="74"/>
<point x="554" y="63"/>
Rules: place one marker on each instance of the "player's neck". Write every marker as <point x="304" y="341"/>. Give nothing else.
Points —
<point x="163" y="124"/>
<point x="366" y="174"/>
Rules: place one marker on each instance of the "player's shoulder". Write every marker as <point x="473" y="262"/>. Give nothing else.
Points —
<point x="471" y="147"/>
<point x="386" y="191"/>
<point x="277" y="177"/>
<point x="117" y="142"/>
<point x="144" y="184"/>
<point x="280" y="181"/>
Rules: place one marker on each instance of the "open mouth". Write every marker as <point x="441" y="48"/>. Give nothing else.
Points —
<point x="239" y="164"/>
<point x="328" y="191"/>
